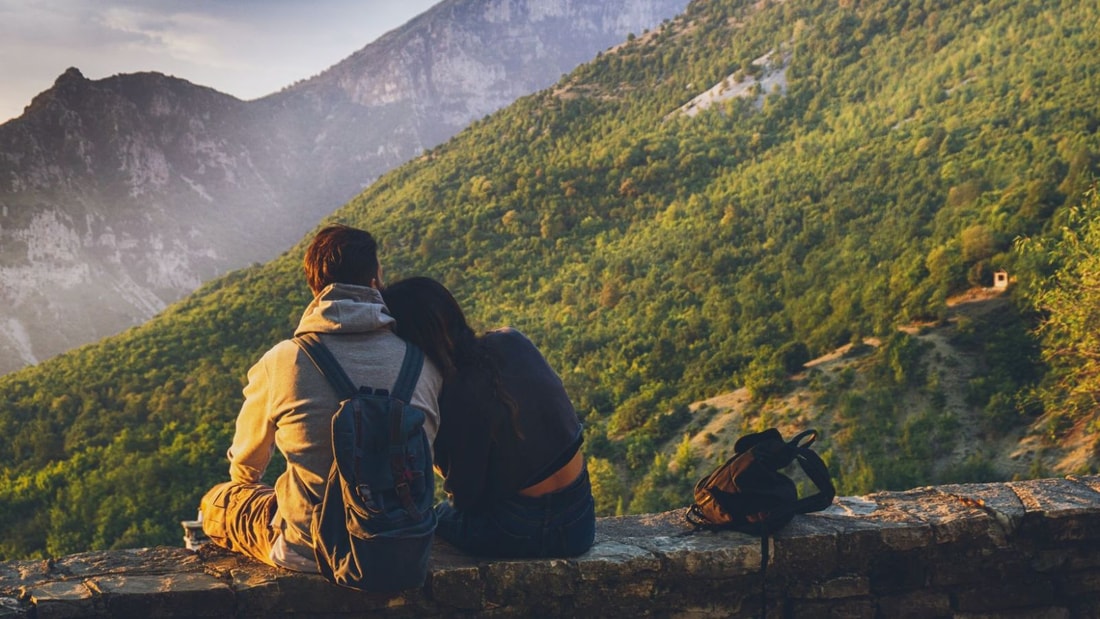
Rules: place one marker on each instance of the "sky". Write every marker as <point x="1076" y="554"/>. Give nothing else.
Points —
<point x="245" y="48"/>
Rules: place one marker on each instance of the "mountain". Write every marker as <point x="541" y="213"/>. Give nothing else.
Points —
<point x="706" y="207"/>
<point x="121" y="195"/>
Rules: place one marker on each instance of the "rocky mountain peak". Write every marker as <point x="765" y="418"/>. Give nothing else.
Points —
<point x="71" y="75"/>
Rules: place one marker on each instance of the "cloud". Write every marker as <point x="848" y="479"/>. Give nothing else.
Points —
<point x="181" y="37"/>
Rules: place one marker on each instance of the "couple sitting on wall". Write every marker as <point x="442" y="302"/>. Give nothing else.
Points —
<point x="506" y="437"/>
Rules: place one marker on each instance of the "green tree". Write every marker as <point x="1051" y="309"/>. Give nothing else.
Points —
<point x="1070" y="301"/>
<point x="607" y="488"/>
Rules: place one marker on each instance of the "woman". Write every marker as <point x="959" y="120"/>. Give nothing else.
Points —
<point x="509" y="439"/>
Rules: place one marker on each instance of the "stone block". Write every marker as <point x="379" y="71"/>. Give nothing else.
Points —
<point x="899" y="527"/>
<point x="612" y="560"/>
<point x="257" y="594"/>
<point x="630" y="598"/>
<point x="704" y="611"/>
<point x="1059" y="509"/>
<point x="223" y="564"/>
<point x="888" y="515"/>
<point x="287" y="593"/>
<point x="907" y="537"/>
<point x="628" y="529"/>
<point x="517" y="582"/>
<point x="705" y="554"/>
<point x="1083" y="556"/>
<point x="1085" y="609"/>
<point x="16" y="574"/>
<point x="856" y="542"/>
<point x="976" y="566"/>
<point x="1050" y="560"/>
<point x="895" y="572"/>
<point x="175" y="595"/>
<point x="834" y="609"/>
<point x="927" y="604"/>
<point x="1028" y="593"/>
<point x="62" y="599"/>
<point x="14" y="608"/>
<point x="158" y="560"/>
<point x="1091" y="481"/>
<point x="1045" y="612"/>
<point x="458" y="587"/>
<point x="955" y="522"/>
<point x="732" y="597"/>
<point x="1071" y="557"/>
<point x="832" y="588"/>
<point x="1081" y="585"/>
<point x="806" y="545"/>
<point x="998" y="500"/>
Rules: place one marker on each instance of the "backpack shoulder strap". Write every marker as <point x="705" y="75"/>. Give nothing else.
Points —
<point x="818" y="473"/>
<point x="764" y="575"/>
<point x="812" y="464"/>
<point x="326" y="364"/>
<point x="411" y="366"/>
<point x="402" y="394"/>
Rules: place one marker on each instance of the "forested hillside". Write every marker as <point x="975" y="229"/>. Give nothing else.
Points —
<point x="657" y="255"/>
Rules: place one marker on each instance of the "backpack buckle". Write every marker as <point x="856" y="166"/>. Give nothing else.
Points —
<point x="363" y="490"/>
<point x="402" y="489"/>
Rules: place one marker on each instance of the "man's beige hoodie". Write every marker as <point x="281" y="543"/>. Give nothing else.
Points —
<point x="288" y="403"/>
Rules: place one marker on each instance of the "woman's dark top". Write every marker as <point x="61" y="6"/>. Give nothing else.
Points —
<point x="477" y="450"/>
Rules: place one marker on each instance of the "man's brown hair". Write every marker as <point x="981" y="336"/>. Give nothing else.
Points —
<point x="341" y="254"/>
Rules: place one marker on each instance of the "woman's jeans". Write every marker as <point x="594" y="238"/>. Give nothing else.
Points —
<point x="559" y="524"/>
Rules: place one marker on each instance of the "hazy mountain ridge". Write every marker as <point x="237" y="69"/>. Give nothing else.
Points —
<point x="416" y="86"/>
<point x="149" y="185"/>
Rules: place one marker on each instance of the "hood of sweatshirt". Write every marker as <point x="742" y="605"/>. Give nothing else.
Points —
<point x="345" y="308"/>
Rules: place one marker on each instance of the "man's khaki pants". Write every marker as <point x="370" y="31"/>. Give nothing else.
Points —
<point x="238" y="517"/>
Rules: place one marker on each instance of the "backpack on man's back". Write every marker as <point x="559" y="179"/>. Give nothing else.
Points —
<point x="373" y="529"/>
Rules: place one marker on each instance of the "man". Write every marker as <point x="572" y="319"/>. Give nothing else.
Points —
<point x="288" y="404"/>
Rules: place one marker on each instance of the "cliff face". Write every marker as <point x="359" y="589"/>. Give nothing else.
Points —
<point x="119" y="196"/>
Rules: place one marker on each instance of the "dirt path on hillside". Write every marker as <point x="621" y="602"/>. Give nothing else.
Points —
<point x="1010" y="454"/>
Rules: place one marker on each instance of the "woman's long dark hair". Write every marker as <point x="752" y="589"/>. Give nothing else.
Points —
<point x="429" y="316"/>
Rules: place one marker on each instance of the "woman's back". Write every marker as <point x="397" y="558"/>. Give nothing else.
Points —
<point x="486" y="451"/>
<point x="509" y="439"/>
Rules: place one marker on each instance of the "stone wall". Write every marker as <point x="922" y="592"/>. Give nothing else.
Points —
<point x="1023" y="549"/>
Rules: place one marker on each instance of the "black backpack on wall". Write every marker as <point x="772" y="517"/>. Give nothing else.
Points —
<point x="751" y="494"/>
